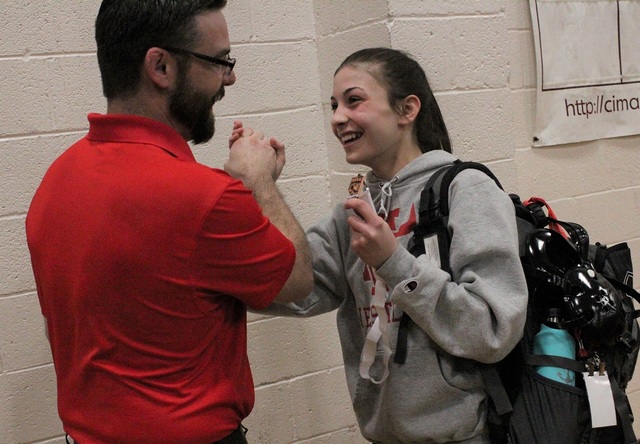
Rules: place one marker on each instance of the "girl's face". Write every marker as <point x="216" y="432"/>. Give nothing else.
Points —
<point x="370" y="131"/>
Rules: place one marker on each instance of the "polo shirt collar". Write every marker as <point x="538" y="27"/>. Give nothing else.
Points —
<point x="124" y="128"/>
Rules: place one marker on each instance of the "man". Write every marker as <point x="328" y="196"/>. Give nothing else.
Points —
<point x="144" y="259"/>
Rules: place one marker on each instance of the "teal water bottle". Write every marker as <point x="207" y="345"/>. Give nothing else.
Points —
<point x="555" y="342"/>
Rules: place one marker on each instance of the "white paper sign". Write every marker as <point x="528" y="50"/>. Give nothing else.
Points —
<point x="588" y="69"/>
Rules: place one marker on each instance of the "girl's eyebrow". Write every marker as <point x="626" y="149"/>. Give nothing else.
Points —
<point x="348" y="90"/>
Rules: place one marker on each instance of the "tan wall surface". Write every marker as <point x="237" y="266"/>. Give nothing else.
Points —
<point x="479" y="56"/>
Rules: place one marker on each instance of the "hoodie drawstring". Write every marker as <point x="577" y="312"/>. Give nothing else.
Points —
<point x="385" y="198"/>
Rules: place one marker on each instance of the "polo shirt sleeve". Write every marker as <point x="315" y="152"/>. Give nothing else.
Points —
<point x="239" y="253"/>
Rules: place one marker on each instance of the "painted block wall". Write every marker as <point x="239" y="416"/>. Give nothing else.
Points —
<point x="478" y="55"/>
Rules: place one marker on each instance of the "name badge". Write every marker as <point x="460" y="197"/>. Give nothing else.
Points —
<point x="603" y="410"/>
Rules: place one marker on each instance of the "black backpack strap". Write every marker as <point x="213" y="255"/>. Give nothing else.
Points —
<point x="401" y="344"/>
<point x="429" y="214"/>
<point x="623" y="287"/>
<point x="433" y="210"/>
<point x="429" y="208"/>
<point x="624" y="414"/>
<point x="434" y="199"/>
<point x="433" y="213"/>
<point x="554" y="361"/>
<point x="451" y="174"/>
<point x="600" y="257"/>
<point x="496" y="389"/>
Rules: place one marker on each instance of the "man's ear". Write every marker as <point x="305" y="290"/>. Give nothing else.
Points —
<point x="159" y="67"/>
<point x="410" y="108"/>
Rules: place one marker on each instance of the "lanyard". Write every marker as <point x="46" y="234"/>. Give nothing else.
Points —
<point x="379" y="330"/>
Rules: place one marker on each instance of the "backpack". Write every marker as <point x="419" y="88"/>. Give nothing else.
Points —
<point x="581" y="290"/>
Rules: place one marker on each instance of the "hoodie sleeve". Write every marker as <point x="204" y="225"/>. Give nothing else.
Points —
<point x="477" y="312"/>
<point x="330" y="285"/>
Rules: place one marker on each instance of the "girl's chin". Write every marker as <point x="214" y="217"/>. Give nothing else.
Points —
<point x="353" y="159"/>
<point x="353" y="155"/>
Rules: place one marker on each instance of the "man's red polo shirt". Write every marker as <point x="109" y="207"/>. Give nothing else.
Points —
<point x="145" y="261"/>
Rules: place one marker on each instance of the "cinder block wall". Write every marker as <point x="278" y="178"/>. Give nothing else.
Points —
<point x="480" y="60"/>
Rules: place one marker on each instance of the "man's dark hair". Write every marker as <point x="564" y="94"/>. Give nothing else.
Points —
<point x="126" y="29"/>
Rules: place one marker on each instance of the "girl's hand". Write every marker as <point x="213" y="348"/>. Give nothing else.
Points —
<point x="278" y="147"/>
<point x="236" y="132"/>
<point x="371" y="238"/>
<point x="252" y="156"/>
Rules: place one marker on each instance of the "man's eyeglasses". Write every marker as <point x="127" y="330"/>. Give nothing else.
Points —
<point x="229" y="63"/>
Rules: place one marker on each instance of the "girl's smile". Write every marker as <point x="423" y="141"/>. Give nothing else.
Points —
<point x="371" y="132"/>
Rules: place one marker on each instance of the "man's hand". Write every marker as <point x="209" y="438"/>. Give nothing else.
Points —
<point x="258" y="163"/>
<point x="371" y="238"/>
<point x="252" y="157"/>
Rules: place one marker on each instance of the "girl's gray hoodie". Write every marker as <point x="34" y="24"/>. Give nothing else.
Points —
<point x="476" y="314"/>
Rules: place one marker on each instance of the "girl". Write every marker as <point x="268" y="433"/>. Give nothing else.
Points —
<point x="386" y="118"/>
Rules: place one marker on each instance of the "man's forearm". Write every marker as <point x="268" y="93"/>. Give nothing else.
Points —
<point x="258" y="163"/>
<point x="275" y="208"/>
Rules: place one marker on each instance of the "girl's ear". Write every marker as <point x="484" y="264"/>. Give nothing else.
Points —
<point x="410" y="108"/>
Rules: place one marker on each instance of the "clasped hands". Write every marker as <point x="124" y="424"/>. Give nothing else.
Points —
<point x="252" y="157"/>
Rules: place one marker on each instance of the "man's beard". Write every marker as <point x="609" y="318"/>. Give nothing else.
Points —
<point x="194" y="110"/>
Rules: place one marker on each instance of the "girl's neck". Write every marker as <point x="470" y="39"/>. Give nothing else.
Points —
<point x="389" y="167"/>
